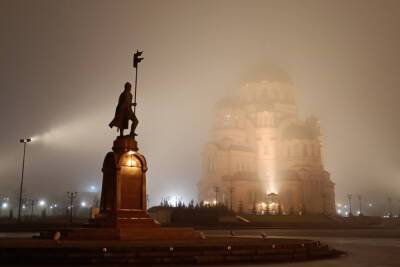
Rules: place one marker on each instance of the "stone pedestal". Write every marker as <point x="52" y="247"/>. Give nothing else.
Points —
<point x="123" y="202"/>
<point x="123" y="196"/>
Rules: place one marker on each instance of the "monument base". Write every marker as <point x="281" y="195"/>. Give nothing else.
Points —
<point x="125" y="218"/>
<point x="123" y="201"/>
<point x="129" y="225"/>
<point x="129" y="233"/>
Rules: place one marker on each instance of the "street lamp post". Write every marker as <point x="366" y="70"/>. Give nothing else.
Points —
<point x="390" y="206"/>
<point x="398" y="215"/>
<point x="360" y="205"/>
<point x="32" y="203"/>
<point x="349" y="197"/>
<point x="216" y="189"/>
<point x="71" y="196"/>
<point x="231" y="196"/>
<point x="24" y="141"/>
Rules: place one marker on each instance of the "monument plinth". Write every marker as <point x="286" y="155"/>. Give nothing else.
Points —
<point x="123" y="196"/>
<point x="123" y="204"/>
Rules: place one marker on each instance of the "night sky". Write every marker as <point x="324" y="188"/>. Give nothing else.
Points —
<point x="63" y="65"/>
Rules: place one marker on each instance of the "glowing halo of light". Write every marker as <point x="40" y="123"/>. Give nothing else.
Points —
<point x="42" y="203"/>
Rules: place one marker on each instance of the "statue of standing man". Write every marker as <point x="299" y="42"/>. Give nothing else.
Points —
<point x="124" y="112"/>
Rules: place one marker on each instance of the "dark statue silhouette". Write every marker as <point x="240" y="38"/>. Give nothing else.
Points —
<point x="124" y="112"/>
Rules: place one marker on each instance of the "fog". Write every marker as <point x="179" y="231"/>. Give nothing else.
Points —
<point x="63" y="65"/>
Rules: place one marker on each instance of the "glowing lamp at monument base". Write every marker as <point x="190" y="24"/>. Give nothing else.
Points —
<point x="130" y="160"/>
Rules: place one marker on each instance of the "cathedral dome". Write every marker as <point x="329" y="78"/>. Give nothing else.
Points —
<point x="267" y="92"/>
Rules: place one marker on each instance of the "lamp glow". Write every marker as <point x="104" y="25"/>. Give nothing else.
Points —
<point x="131" y="162"/>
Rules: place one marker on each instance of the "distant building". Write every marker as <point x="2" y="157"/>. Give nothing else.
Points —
<point x="262" y="158"/>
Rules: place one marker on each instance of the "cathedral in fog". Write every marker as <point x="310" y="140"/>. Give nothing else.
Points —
<point x="261" y="158"/>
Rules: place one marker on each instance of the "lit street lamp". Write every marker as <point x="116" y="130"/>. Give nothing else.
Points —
<point x="398" y="215"/>
<point x="43" y="204"/>
<point x="360" y="205"/>
<point x="24" y="141"/>
<point x="71" y="197"/>
<point x="32" y="202"/>
<point x="390" y="206"/>
<point x="92" y="188"/>
<point x="349" y="197"/>
<point x="216" y="189"/>
<point x="231" y="190"/>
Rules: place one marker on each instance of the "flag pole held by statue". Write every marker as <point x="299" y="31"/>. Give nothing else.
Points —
<point x="136" y="61"/>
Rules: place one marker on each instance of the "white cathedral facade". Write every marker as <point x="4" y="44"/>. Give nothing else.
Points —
<point x="261" y="158"/>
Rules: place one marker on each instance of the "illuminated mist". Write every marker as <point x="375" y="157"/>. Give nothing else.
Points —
<point x="63" y="65"/>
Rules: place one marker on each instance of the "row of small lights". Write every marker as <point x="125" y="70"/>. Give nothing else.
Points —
<point x="339" y="209"/>
<point x="41" y="203"/>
